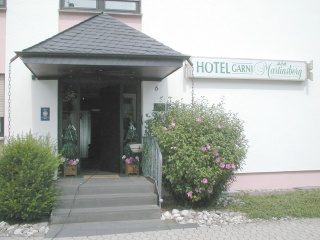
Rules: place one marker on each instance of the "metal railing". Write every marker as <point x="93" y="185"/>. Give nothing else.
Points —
<point x="152" y="163"/>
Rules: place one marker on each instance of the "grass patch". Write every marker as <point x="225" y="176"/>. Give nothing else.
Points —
<point x="299" y="204"/>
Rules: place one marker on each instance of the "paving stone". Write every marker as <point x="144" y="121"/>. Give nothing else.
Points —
<point x="267" y="230"/>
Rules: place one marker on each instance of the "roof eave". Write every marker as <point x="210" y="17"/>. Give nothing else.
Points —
<point x="86" y="55"/>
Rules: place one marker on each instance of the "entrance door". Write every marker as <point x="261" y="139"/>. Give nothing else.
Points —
<point x="99" y="104"/>
<point x="110" y="128"/>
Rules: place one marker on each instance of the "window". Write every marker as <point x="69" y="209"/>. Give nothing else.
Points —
<point x="161" y="107"/>
<point x="121" y="5"/>
<point x="2" y="3"/>
<point x="80" y="4"/>
<point x="132" y="6"/>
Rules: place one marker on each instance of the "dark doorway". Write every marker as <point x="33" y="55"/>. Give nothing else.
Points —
<point x="101" y="112"/>
<point x="110" y="128"/>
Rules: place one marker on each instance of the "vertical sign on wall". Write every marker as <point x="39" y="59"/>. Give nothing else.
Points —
<point x="45" y="114"/>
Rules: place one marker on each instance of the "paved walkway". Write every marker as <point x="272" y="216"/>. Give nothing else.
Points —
<point x="304" y="229"/>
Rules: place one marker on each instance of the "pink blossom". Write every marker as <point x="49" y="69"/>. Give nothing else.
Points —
<point x="233" y="166"/>
<point x="219" y="126"/>
<point x="208" y="147"/>
<point x="228" y="166"/>
<point x="128" y="161"/>
<point x="198" y="120"/>
<point x="215" y="154"/>
<point x="197" y="190"/>
<point x="203" y="149"/>
<point x="131" y="160"/>
<point x="210" y="191"/>
<point x="205" y="181"/>
<point x="222" y="165"/>
<point x="217" y="159"/>
<point x="173" y="124"/>
<point x="189" y="194"/>
<point x="72" y="162"/>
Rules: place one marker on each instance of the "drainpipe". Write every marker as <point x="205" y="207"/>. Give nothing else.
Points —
<point x="9" y="94"/>
<point x="14" y="58"/>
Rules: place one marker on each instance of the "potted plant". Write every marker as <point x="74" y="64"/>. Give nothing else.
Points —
<point x="70" y="151"/>
<point x="131" y="164"/>
<point x="69" y="4"/>
<point x="131" y="155"/>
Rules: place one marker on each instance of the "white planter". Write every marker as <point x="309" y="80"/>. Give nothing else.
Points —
<point x="136" y="148"/>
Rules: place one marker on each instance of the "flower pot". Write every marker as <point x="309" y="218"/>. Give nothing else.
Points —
<point x="136" y="148"/>
<point x="70" y="170"/>
<point x="132" y="169"/>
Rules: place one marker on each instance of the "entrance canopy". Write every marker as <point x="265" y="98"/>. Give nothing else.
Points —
<point x="101" y="46"/>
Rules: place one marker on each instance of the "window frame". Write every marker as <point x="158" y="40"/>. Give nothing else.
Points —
<point x="100" y="6"/>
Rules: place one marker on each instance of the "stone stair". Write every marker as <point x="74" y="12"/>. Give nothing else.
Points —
<point x="122" y="198"/>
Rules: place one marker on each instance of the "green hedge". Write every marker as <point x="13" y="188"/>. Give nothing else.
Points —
<point x="27" y="168"/>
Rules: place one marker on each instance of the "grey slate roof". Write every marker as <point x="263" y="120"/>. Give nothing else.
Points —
<point x="103" y="35"/>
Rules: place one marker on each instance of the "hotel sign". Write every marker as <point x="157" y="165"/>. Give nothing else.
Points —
<point x="232" y="68"/>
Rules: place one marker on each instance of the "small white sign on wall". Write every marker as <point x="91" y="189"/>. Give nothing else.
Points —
<point x="232" y="68"/>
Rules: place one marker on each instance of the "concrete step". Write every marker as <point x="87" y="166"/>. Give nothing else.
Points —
<point x="106" y="200"/>
<point x="106" y="187"/>
<point x="103" y="199"/>
<point x="103" y="214"/>
<point x="85" y="190"/>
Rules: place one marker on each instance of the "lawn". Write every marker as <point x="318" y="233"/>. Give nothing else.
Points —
<point x="296" y="204"/>
<point x="299" y="204"/>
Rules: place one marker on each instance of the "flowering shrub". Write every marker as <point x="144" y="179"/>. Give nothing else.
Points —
<point x="202" y="146"/>
<point x="72" y="162"/>
<point x="131" y="160"/>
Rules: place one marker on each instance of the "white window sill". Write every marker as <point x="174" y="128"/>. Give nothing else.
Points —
<point x="78" y="10"/>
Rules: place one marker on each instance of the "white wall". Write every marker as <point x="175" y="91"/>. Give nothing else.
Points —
<point x="153" y="92"/>
<point x="47" y="98"/>
<point x="28" y="22"/>
<point x="281" y="118"/>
